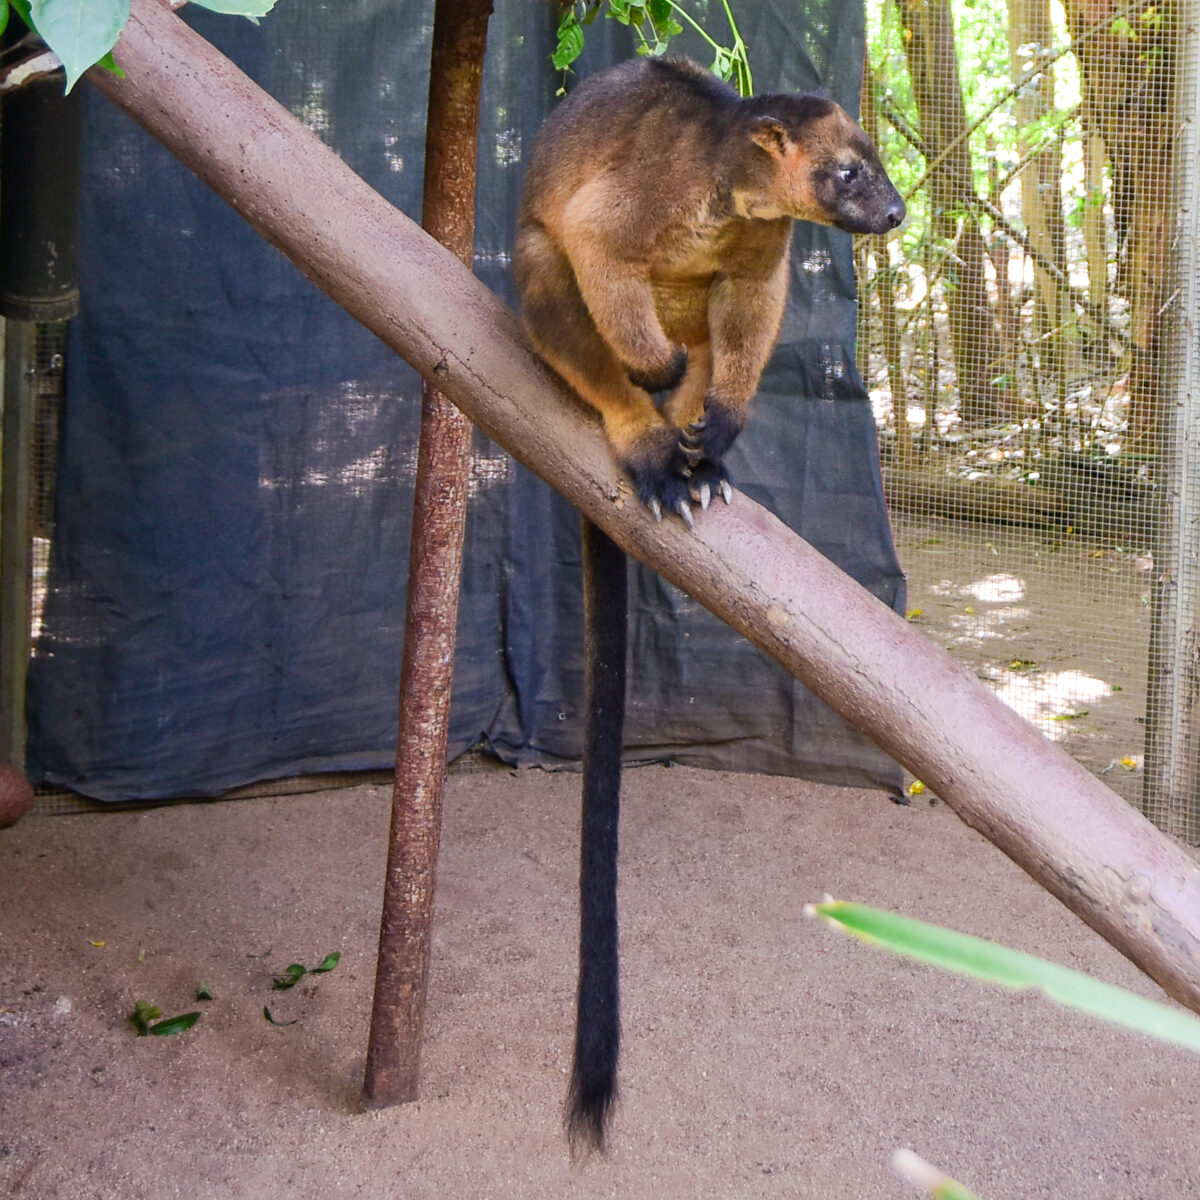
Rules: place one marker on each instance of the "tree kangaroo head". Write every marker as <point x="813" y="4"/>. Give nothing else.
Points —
<point x="816" y="164"/>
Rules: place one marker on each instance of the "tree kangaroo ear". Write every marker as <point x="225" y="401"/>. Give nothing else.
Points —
<point x="769" y="133"/>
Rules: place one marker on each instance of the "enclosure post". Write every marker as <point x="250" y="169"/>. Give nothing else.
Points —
<point x="1171" y="780"/>
<point x="15" y="484"/>
<point x="39" y="200"/>
<point x="435" y="572"/>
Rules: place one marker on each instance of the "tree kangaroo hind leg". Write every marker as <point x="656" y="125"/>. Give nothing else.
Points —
<point x="593" y="1087"/>
<point x="566" y="337"/>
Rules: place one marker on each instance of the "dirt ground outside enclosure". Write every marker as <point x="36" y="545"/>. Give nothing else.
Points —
<point x="1057" y="624"/>
<point x="764" y="1054"/>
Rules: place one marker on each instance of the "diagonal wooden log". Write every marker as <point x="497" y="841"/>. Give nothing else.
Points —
<point x="1077" y="838"/>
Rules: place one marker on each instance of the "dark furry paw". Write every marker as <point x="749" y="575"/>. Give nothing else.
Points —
<point x="662" y="475"/>
<point x="666" y="379"/>
<point x="709" y="479"/>
<point x="711" y="436"/>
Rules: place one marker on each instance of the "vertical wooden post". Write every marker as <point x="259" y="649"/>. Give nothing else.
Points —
<point x="435" y="571"/>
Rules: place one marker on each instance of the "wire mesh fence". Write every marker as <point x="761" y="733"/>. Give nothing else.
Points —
<point x="1020" y="339"/>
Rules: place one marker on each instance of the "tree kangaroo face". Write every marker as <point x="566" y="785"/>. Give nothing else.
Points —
<point x="828" y="171"/>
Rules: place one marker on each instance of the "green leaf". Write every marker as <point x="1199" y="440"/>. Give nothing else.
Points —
<point x="3" y="15"/>
<point x="204" y="991"/>
<point x="267" y="1014"/>
<point x="250" y="9"/>
<point x="143" y="1013"/>
<point x="109" y="64"/>
<point x="927" y="1178"/>
<point x="173" y="1025"/>
<point x="1011" y="968"/>
<point x="660" y="12"/>
<point x="291" y="976"/>
<point x="296" y="971"/>
<point x="80" y="32"/>
<point x="570" y="42"/>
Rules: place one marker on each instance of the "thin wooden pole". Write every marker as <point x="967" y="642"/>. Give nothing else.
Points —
<point x="1077" y="838"/>
<point x="435" y="574"/>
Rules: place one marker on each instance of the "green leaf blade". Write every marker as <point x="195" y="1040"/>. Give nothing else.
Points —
<point x="988" y="961"/>
<point x="290" y="977"/>
<point x="570" y="42"/>
<point x="174" y="1025"/>
<point x="252" y="10"/>
<point x="143" y="1013"/>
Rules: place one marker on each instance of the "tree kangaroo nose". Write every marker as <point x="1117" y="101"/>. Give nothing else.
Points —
<point x="896" y="213"/>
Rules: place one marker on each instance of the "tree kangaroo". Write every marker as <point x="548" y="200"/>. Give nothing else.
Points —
<point x="652" y="257"/>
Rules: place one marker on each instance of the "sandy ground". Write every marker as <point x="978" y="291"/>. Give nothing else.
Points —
<point x="766" y="1055"/>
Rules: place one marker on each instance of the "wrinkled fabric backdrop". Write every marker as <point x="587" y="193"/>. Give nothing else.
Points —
<point x="225" y="600"/>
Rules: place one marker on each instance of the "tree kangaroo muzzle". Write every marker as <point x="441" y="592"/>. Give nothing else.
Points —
<point x="652" y="263"/>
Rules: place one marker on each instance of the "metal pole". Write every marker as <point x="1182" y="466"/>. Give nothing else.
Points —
<point x="1171" y="781"/>
<point x="39" y="201"/>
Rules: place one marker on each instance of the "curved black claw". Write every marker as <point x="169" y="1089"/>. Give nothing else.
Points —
<point x="712" y="434"/>
<point x="691" y="441"/>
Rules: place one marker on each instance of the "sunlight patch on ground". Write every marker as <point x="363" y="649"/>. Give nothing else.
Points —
<point x="969" y="624"/>
<point x="996" y="589"/>
<point x="994" y="608"/>
<point x="987" y="626"/>
<point x="1053" y="700"/>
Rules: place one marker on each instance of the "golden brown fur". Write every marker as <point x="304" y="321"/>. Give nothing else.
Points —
<point x="652" y="249"/>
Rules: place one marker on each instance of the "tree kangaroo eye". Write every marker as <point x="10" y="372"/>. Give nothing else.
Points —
<point x="848" y="174"/>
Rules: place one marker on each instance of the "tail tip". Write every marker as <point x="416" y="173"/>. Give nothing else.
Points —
<point x="587" y="1120"/>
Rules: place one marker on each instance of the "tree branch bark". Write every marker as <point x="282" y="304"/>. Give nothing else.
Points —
<point x="1104" y="860"/>
<point x="434" y="579"/>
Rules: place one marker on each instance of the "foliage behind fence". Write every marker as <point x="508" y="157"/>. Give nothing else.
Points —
<point x="1015" y="337"/>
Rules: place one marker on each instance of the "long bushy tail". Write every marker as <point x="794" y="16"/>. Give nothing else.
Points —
<point x="593" y="1089"/>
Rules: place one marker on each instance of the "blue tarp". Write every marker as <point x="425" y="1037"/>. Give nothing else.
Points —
<point x="225" y="599"/>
